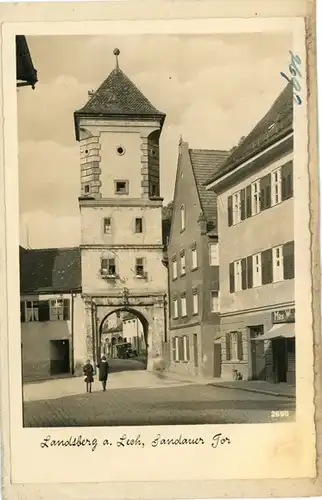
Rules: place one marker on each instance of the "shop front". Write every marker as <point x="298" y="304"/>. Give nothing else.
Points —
<point x="280" y="366"/>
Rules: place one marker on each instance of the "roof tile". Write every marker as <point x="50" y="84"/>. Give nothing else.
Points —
<point x="118" y="96"/>
<point x="204" y="163"/>
<point x="50" y="269"/>
<point x="277" y="122"/>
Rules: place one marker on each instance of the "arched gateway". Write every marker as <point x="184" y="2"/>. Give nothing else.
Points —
<point x="151" y="311"/>
<point x="121" y="209"/>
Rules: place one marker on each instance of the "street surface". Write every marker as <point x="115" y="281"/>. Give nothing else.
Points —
<point x="141" y="398"/>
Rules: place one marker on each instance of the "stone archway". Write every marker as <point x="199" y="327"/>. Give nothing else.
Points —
<point x="150" y="309"/>
<point x="134" y="313"/>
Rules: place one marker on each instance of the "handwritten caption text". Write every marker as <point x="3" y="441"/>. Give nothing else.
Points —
<point x="126" y="441"/>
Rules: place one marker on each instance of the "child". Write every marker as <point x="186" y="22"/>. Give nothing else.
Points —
<point x="88" y="372"/>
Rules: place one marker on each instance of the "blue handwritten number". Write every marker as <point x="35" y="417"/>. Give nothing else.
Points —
<point x="295" y="72"/>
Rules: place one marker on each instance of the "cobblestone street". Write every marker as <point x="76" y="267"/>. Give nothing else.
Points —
<point x="184" y="403"/>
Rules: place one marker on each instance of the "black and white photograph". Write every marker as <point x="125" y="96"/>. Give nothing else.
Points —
<point x="159" y="253"/>
<point x="156" y="199"/>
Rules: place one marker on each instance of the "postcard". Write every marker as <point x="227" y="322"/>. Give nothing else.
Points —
<point x="160" y="256"/>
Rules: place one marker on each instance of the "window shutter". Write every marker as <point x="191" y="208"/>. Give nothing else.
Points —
<point x="228" y="352"/>
<point x="267" y="267"/>
<point x="240" y="353"/>
<point x="181" y="348"/>
<point x="287" y="181"/>
<point x="250" y="271"/>
<point x="243" y="204"/>
<point x="265" y="190"/>
<point x="288" y="260"/>
<point x="22" y="312"/>
<point x="249" y="201"/>
<point x="230" y="210"/>
<point x="188" y="348"/>
<point x="104" y="263"/>
<point x="43" y="310"/>
<point x="66" y="310"/>
<point x="231" y="277"/>
<point x="244" y="274"/>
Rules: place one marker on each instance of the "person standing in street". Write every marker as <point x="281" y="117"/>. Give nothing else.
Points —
<point x="89" y="375"/>
<point x="103" y="369"/>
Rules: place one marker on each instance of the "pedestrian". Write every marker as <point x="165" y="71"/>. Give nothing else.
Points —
<point x="103" y="369"/>
<point x="89" y="378"/>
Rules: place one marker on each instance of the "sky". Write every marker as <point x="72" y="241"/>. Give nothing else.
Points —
<point x="213" y="89"/>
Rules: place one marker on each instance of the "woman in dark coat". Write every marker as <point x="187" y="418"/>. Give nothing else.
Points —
<point x="103" y="369"/>
<point x="88" y="372"/>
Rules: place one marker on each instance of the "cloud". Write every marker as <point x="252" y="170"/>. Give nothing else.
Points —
<point x="40" y="229"/>
<point x="213" y="89"/>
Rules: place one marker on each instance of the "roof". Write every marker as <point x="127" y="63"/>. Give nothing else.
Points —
<point x="204" y="163"/>
<point x="50" y="270"/>
<point x="25" y="71"/>
<point x="119" y="97"/>
<point x="277" y="123"/>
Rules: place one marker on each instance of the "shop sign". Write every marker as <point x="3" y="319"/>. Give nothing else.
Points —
<point x="283" y="316"/>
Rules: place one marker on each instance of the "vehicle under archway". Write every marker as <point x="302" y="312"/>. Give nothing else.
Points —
<point x="123" y="335"/>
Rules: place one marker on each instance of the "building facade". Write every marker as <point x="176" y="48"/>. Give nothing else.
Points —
<point x="193" y="264"/>
<point x="121" y="211"/>
<point x="256" y="252"/>
<point x="52" y="313"/>
<point x="133" y="333"/>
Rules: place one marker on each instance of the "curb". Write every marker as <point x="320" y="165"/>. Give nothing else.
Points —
<point x="259" y="391"/>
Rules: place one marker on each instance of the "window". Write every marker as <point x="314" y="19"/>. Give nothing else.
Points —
<point x="175" y="349"/>
<point x="237" y="275"/>
<point x="107" y="225"/>
<point x="174" y="269"/>
<point x="214" y="296"/>
<point x="255" y="197"/>
<point x="86" y="188"/>
<point x="138" y="225"/>
<point x="278" y="271"/>
<point x="213" y="254"/>
<point x="32" y="310"/>
<point x="120" y="150"/>
<point x="257" y="269"/>
<point x="108" y="267"/>
<point x="234" y="346"/>
<point x="182" y="263"/>
<point x="121" y="187"/>
<point x="194" y="258"/>
<point x="175" y="308"/>
<point x="59" y="309"/>
<point x="139" y="267"/>
<point x="186" y="353"/>
<point x="195" y="302"/>
<point x="183" y="306"/>
<point x="276" y="186"/>
<point x="182" y="218"/>
<point x="236" y="208"/>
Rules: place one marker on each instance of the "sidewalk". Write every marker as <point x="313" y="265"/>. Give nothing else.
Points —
<point x="60" y="387"/>
<point x="260" y="386"/>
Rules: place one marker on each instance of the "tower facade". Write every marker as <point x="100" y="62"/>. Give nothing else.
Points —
<point x="121" y="211"/>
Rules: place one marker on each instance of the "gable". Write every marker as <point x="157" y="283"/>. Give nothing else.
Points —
<point x="185" y="193"/>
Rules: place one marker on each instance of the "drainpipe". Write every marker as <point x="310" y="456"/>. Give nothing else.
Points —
<point x="165" y="318"/>
<point x="93" y="334"/>
<point x="72" y="329"/>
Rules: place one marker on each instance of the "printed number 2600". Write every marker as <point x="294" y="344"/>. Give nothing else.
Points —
<point x="279" y="414"/>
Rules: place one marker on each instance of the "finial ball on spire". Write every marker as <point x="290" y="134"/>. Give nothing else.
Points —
<point x="116" y="52"/>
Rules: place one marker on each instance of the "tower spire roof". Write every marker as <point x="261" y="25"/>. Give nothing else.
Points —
<point x="119" y="98"/>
